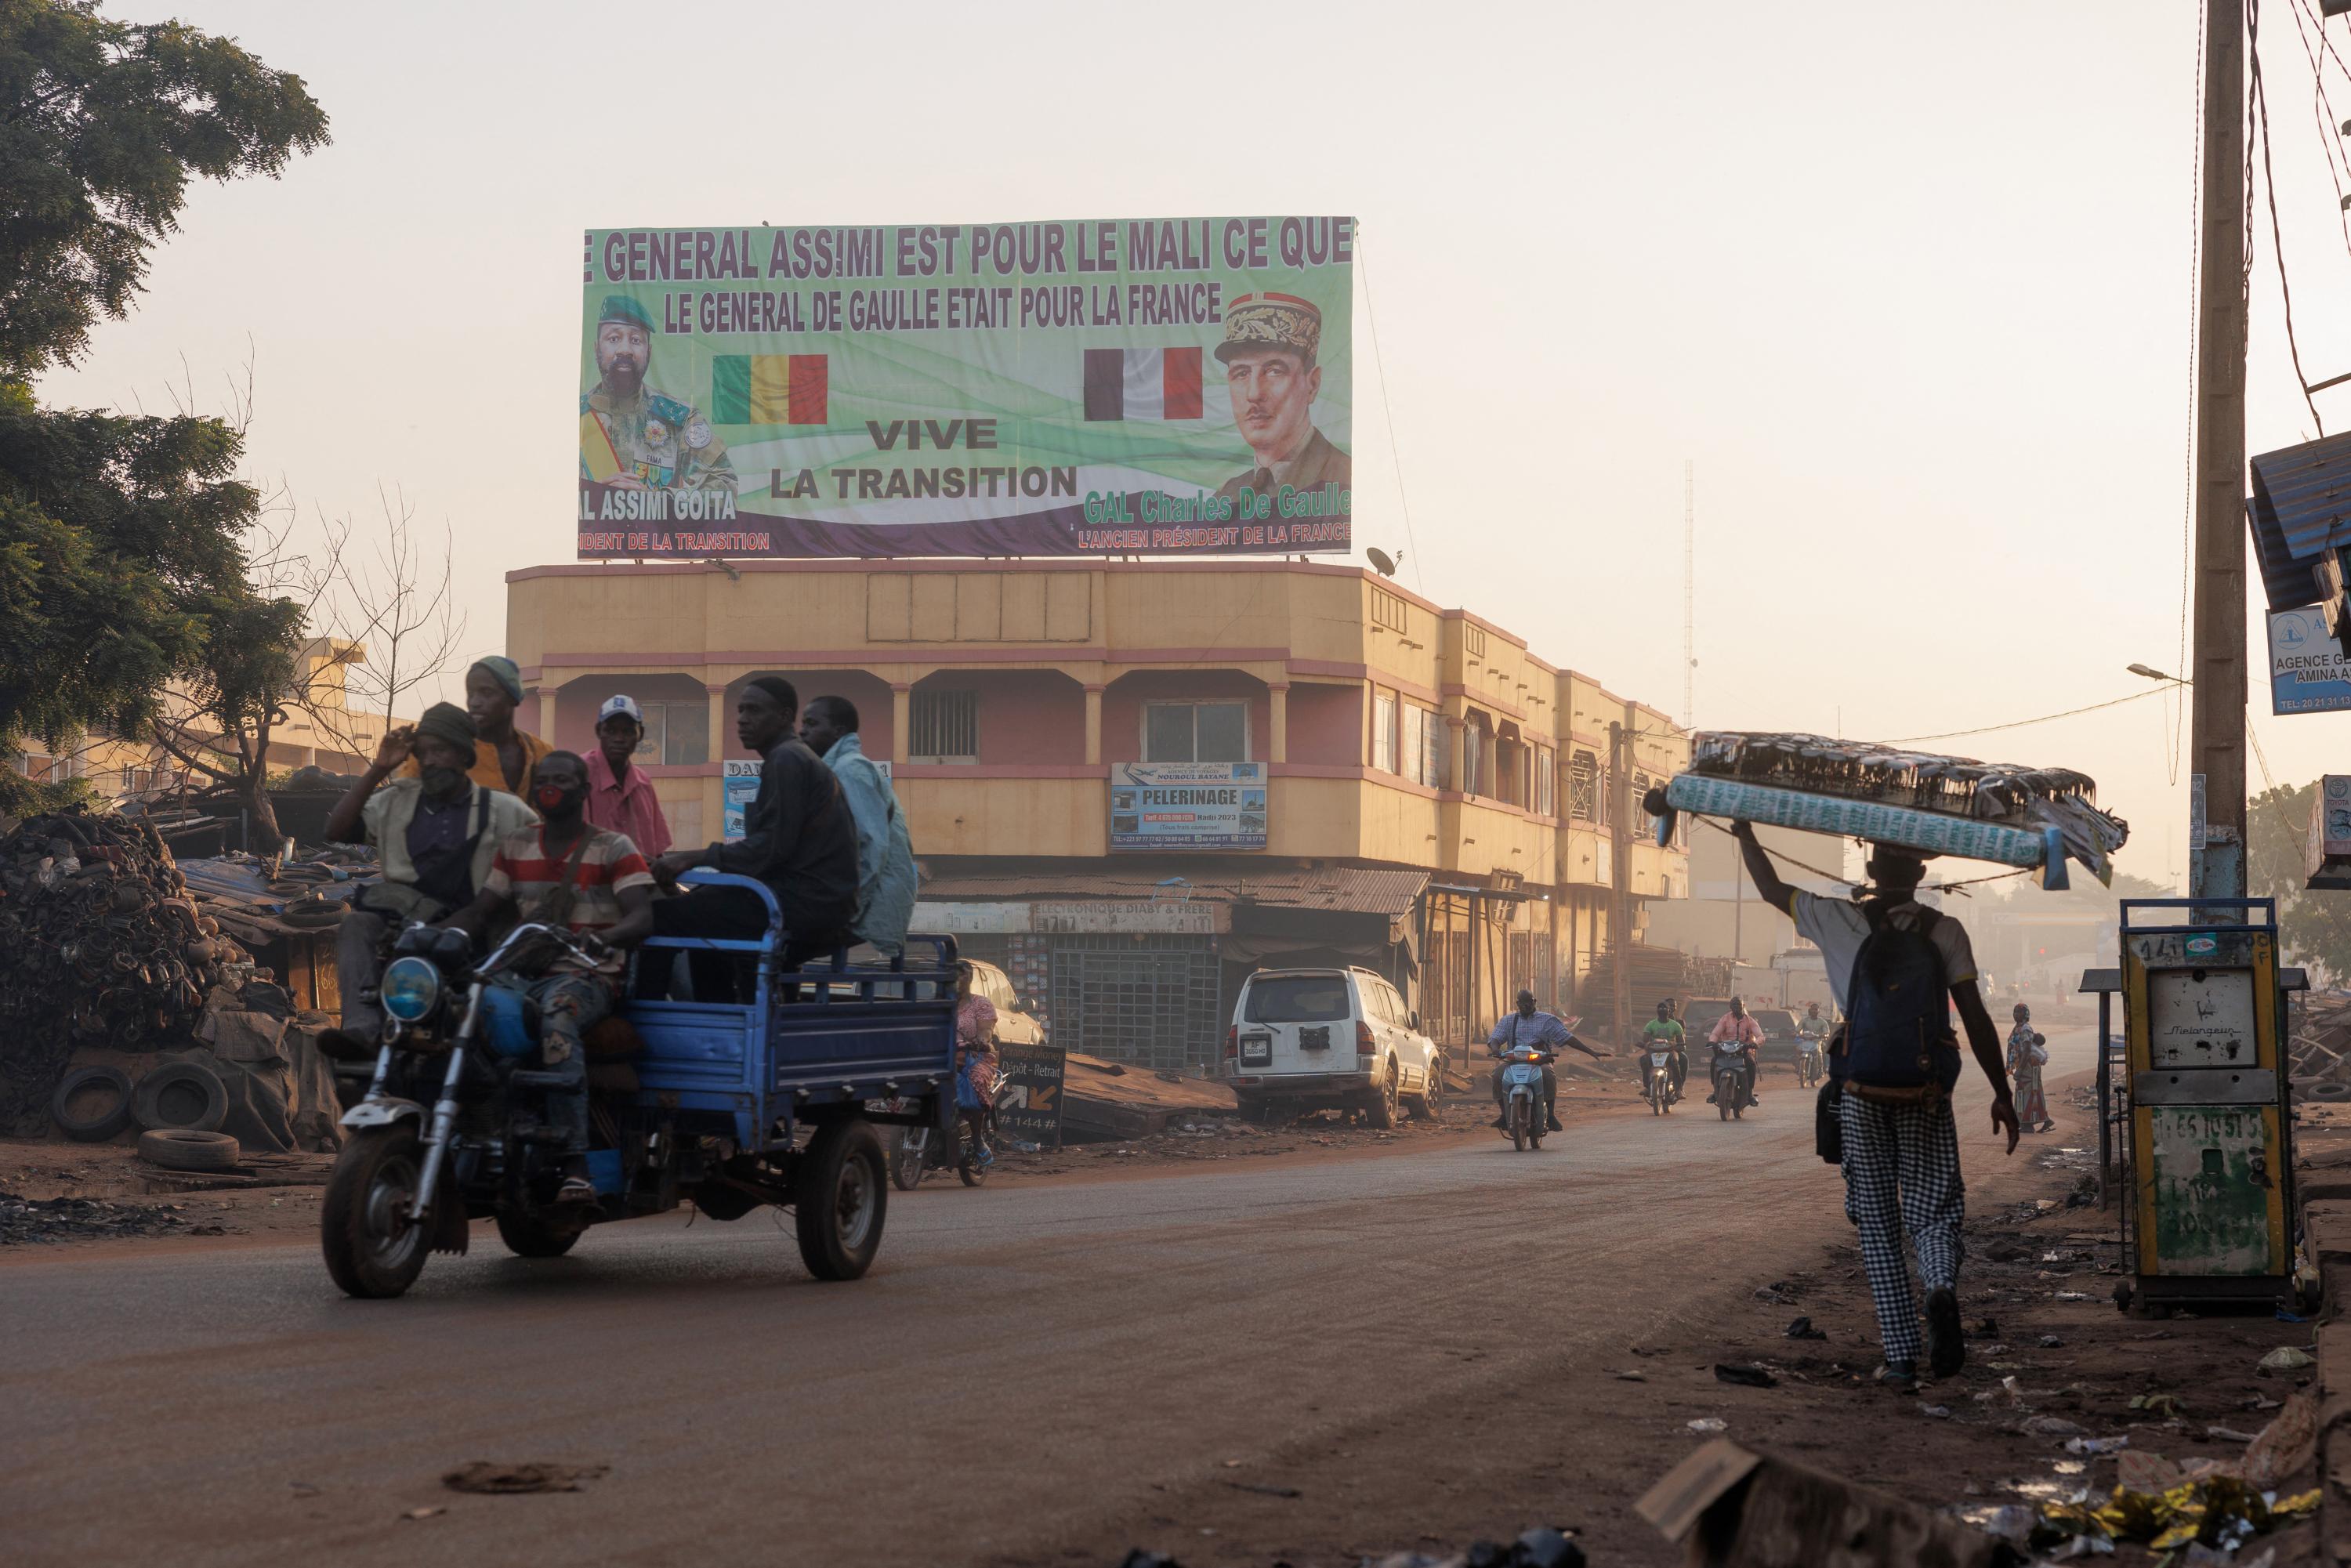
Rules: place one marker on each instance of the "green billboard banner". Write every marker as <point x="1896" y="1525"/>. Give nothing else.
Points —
<point x="1161" y="386"/>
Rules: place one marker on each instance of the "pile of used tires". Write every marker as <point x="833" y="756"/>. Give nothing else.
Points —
<point x="100" y="944"/>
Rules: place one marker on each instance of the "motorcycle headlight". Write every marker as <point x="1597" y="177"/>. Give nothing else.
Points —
<point x="410" y="987"/>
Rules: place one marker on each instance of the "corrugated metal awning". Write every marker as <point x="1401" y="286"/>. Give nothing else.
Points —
<point x="2301" y="509"/>
<point x="1365" y="890"/>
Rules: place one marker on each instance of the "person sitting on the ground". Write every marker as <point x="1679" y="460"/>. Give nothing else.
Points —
<point x="568" y="871"/>
<point x="885" y="854"/>
<point x="503" y="755"/>
<point x="436" y="834"/>
<point x="1526" y="1026"/>
<point x="798" y="838"/>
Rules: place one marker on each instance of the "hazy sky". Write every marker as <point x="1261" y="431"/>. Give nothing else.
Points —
<point x="1909" y="285"/>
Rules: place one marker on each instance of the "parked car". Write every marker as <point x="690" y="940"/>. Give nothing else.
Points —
<point x="1780" y="1035"/>
<point x="1013" y="1026"/>
<point x="1305" y="1039"/>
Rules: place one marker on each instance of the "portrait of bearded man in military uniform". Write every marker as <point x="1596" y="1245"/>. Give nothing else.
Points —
<point x="634" y="437"/>
<point x="1271" y="341"/>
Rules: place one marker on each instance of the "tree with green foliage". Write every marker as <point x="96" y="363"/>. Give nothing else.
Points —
<point x="124" y="557"/>
<point x="2316" y="928"/>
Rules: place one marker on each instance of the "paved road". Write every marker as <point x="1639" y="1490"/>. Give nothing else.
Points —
<point x="1024" y="1371"/>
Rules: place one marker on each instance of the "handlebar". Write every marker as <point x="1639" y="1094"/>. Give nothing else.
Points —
<point x="572" y="940"/>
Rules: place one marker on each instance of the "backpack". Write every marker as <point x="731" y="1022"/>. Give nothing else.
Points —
<point x="1897" y="1033"/>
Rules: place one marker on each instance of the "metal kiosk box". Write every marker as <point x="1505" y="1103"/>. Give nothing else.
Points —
<point x="2211" y="1157"/>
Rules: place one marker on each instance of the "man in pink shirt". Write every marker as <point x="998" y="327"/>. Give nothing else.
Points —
<point x="1736" y="1028"/>
<point x="620" y="796"/>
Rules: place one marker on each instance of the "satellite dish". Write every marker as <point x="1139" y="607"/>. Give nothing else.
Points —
<point x="1381" y="562"/>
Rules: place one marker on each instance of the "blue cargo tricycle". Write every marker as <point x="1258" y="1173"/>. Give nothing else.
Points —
<point x="763" y="1092"/>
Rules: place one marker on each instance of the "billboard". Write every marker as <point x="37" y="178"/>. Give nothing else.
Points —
<point x="2307" y="670"/>
<point x="739" y="782"/>
<point x="1188" y="806"/>
<point x="1160" y="386"/>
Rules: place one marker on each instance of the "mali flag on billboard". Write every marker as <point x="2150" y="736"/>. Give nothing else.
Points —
<point x="768" y="389"/>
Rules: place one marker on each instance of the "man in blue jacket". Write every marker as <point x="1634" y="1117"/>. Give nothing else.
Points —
<point x="886" y="852"/>
<point x="1526" y="1026"/>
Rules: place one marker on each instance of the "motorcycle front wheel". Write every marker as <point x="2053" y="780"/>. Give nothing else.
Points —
<point x="1724" y="1090"/>
<point x="906" y="1158"/>
<point x="372" y="1250"/>
<point x="1518" y="1124"/>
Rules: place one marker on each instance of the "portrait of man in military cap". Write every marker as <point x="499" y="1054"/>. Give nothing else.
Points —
<point x="1268" y="355"/>
<point x="634" y="437"/>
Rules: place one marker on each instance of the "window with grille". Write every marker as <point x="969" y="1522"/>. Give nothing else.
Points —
<point x="1545" y="762"/>
<point x="1583" y="787"/>
<point x="1384" y="732"/>
<point x="1473" y="639"/>
<point x="942" y="727"/>
<point x="1196" y="732"/>
<point x="1388" y="610"/>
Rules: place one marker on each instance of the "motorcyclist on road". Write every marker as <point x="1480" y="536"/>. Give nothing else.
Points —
<point x="1526" y="1026"/>
<point x="1664" y="1032"/>
<point x="1735" y="1025"/>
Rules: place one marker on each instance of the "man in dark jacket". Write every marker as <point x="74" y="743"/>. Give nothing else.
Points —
<point x="797" y="837"/>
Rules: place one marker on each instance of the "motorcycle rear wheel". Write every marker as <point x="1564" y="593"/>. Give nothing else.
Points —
<point x="967" y="1163"/>
<point x="905" y="1159"/>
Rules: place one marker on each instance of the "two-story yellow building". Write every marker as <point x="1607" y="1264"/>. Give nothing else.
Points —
<point x="1131" y="782"/>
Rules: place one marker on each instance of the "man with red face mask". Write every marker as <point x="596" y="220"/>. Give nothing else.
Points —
<point x="565" y="871"/>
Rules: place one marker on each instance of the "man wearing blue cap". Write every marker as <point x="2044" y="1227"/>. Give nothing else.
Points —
<point x="631" y="436"/>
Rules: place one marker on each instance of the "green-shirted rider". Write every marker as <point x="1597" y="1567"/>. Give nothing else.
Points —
<point x="1666" y="1031"/>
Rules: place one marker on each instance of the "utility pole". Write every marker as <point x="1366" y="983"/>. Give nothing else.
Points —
<point x="1620" y="869"/>
<point x="2216" y="827"/>
<point x="1690" y="577"/>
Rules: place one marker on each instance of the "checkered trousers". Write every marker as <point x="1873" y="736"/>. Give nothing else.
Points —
<point x="1902" y="1175"/>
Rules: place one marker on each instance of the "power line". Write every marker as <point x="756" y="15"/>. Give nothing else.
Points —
<point x="2259" y="99"/>
<point x="2044" y="718"/>
<point x="1395" y="452"/>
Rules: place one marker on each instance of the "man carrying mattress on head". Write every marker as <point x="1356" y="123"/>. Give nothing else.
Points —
<point x="1899" y="966"/>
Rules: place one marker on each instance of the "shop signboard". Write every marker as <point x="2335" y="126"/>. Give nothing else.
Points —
<point x="2307" y="670"/>
<point x="1160" y="805"/>
<point x="741" y="782"/>
<point x="1109" y="916"/>
<point x="1038" y="389"/>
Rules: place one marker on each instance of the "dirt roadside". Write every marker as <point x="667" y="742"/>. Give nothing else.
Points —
<point x="1577" y="1446"/>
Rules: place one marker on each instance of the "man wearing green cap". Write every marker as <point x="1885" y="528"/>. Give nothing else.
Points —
<point x="436" y="833"/>
<point x="631" y="436"/>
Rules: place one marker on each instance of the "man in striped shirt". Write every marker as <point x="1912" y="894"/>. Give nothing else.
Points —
<point x="566" y="871"/>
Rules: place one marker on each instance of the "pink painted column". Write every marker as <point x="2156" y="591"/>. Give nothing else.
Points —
<point x="1280" y="750"/>
<point x="902" y="707"/>
<point x="1093" y="724"/>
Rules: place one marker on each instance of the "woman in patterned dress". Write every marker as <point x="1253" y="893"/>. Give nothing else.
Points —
<point x="976" y="1065"/>
<point x="2026" y="1053"/>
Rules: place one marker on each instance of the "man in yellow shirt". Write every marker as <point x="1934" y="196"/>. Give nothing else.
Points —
<point x="503" y="756"/>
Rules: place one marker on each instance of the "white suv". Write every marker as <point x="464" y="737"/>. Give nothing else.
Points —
<point x="1305" y="1039"/>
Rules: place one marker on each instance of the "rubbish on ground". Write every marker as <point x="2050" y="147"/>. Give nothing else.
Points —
<point x="1710" y="1423"/>
<point x="2074" y="1296"/>
<point x="1803" y="1329"/>
<point x="2156" y="1403"/>
<point x="2051" y="1426"/>
<point x="1265" y="1490"/>
<point x="1630" y="1375"/>
<point x="2069" y="1466"/>
<point x="1761" y="1512"/>
<point x="2286" y="1358"/>
<point x="483" y="1476"/>
<point x="1745" y="1376"/>
<point x="45" y="1220"/>
<point x="2051" y="1341"/>
<point x="1986" y="1328"/>
<point x="2139" y="1471"/>
<point x="424" y="1512"/>
<point x="2286" y="1317"/>
<point x="1939" y="1411"/>
<point x="1541" y="1547"/>
<point x="2284" y="1447"/>
<point x="2090" y="1447"/>
<point x="2230" y="1434"/>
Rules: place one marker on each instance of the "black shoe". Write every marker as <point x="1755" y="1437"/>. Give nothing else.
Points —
<point x="1554" y="1122"/>
<point x="1946" y="1347"/>
<point x="1900" y="1376"/>
<point x="1501" y="1124"/>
